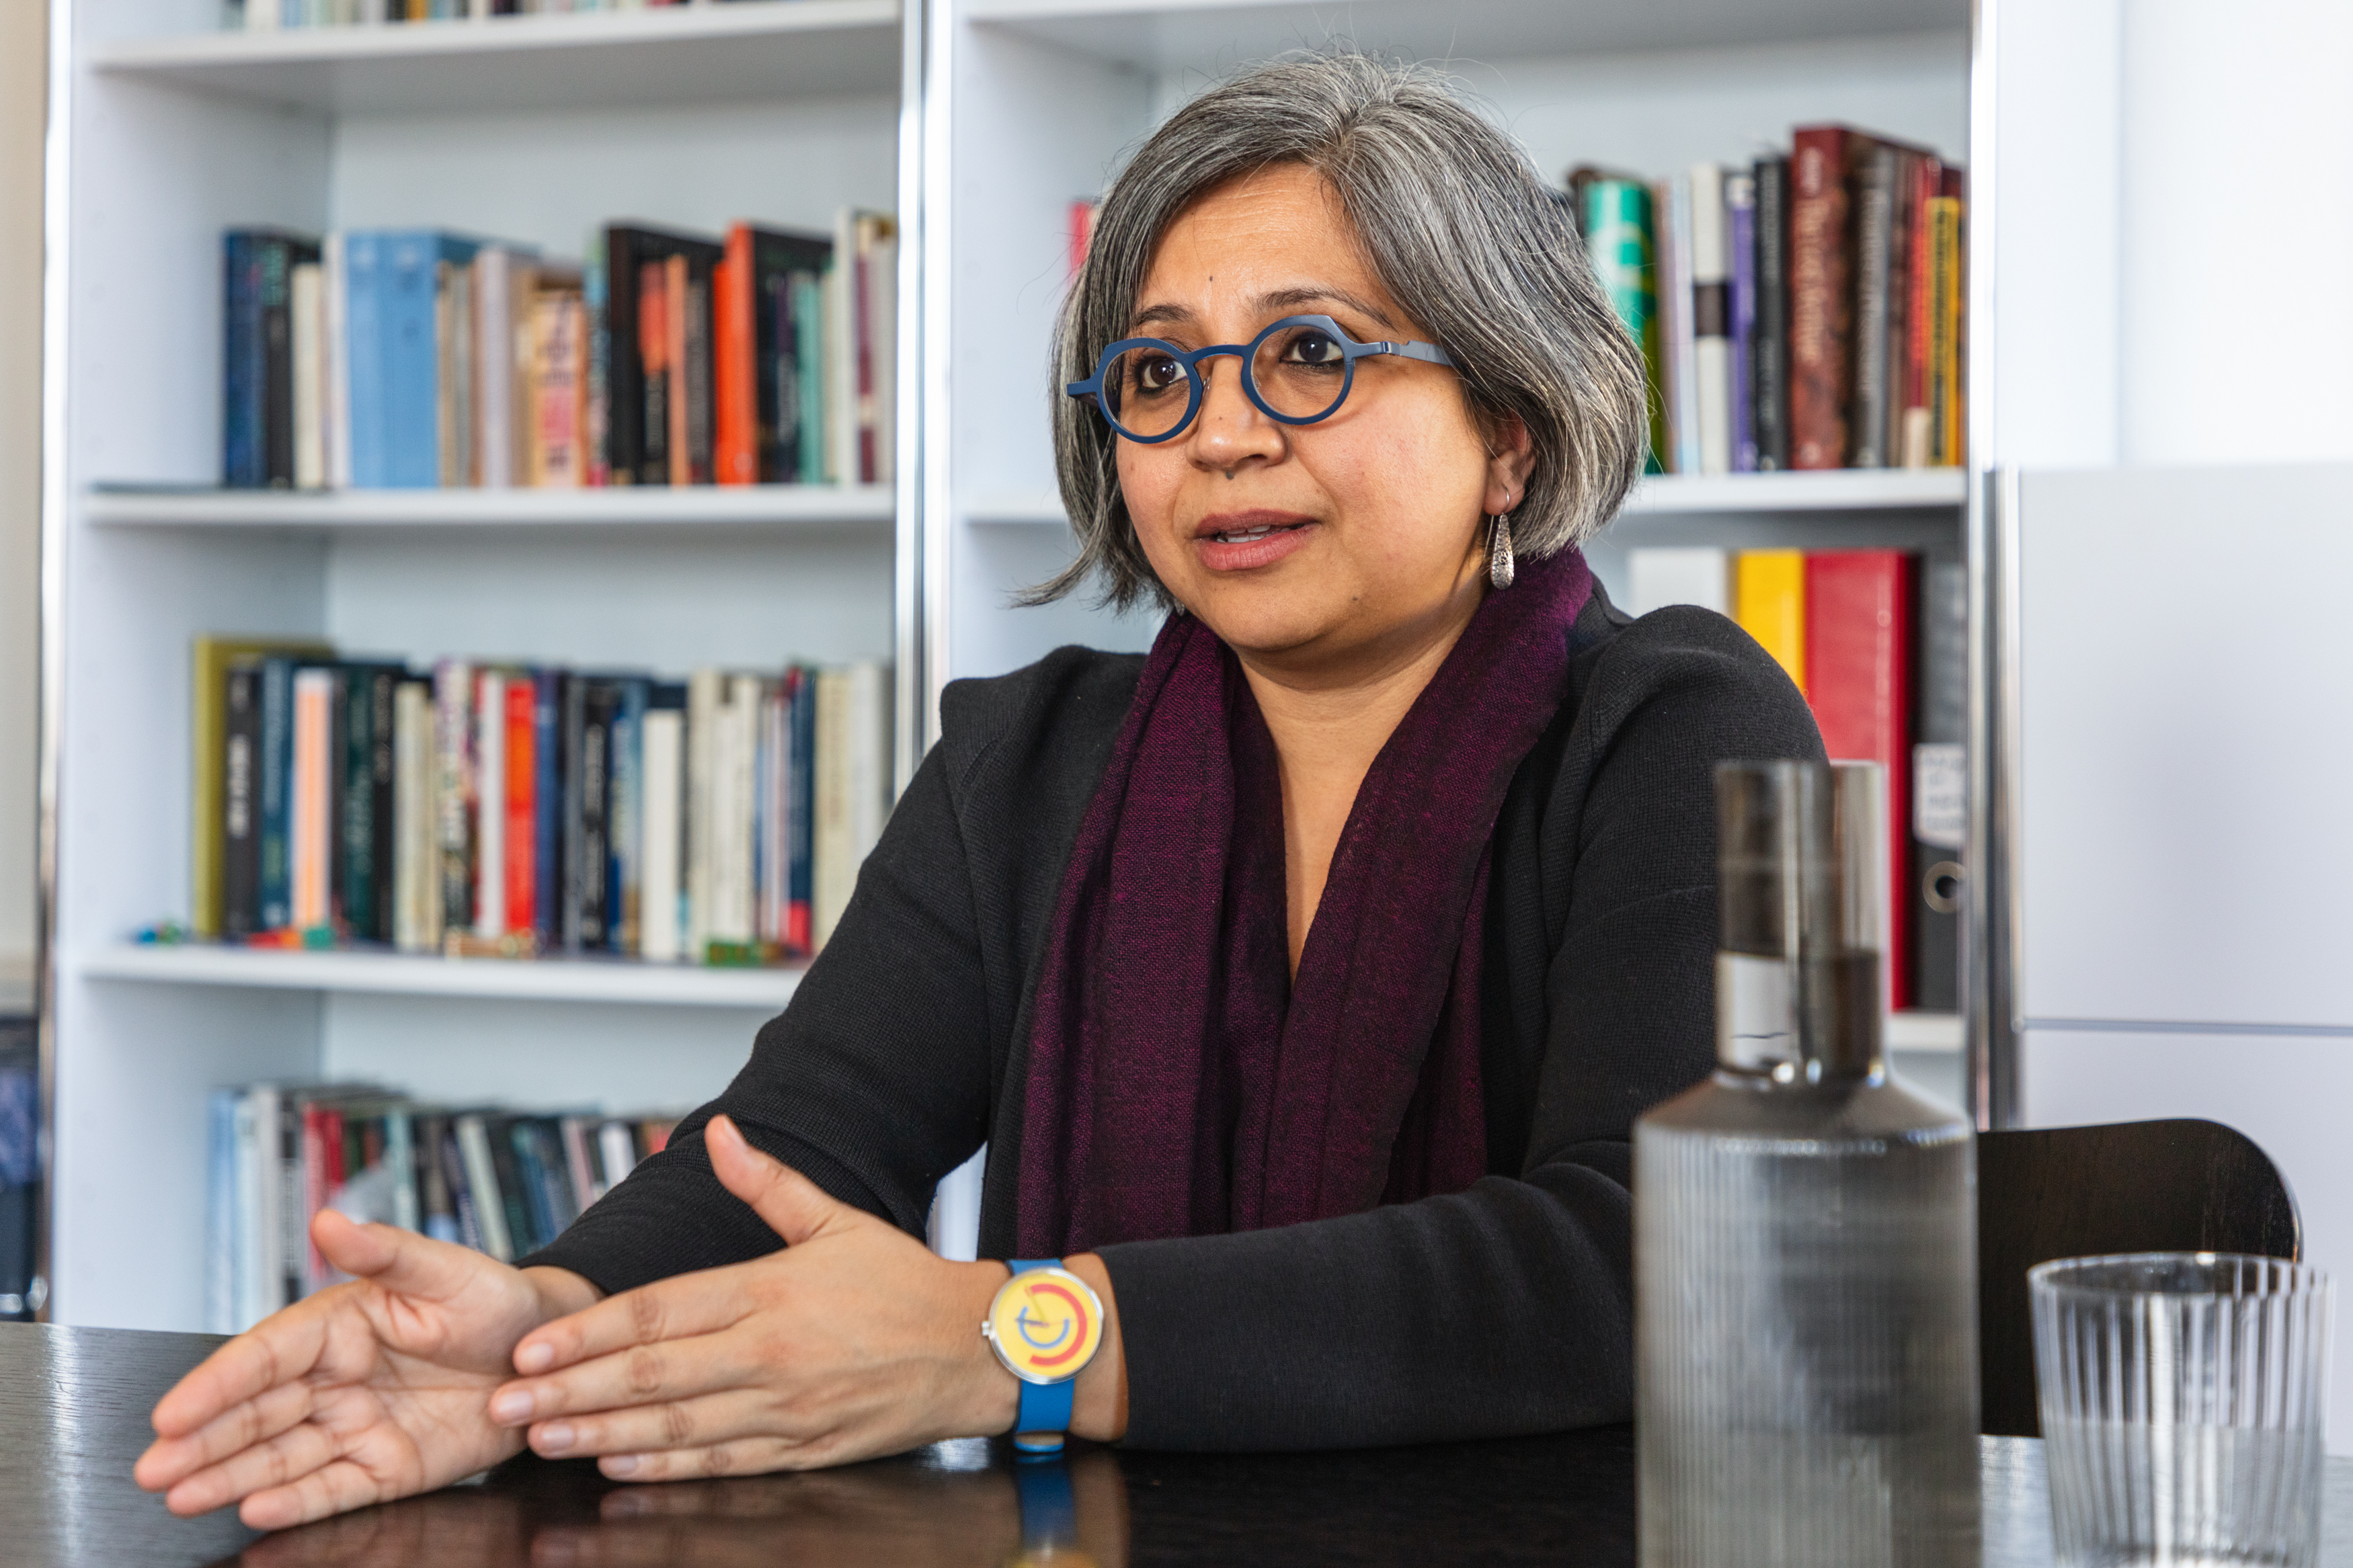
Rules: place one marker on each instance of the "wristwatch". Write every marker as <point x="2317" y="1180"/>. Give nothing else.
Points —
<point x="1045" y="1325"/>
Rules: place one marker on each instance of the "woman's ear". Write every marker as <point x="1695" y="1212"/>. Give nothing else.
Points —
<point x="1510" y="458"/>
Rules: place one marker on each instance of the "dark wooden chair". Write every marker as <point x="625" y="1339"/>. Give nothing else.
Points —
<point x="2131" y="1186"/>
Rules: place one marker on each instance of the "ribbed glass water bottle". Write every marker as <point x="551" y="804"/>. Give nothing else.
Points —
<point x="1805" y="1229"/>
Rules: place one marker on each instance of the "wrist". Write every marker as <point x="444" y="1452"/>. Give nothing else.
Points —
<point x="994" y="1393"/>
<point x="560" y="1292"/>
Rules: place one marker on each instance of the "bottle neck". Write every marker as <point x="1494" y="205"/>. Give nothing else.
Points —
<point x="1799" y="1020"/>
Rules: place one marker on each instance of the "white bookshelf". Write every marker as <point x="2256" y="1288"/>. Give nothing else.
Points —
<point x="748" y="48"/>
<point x="583" y="980"/>
<point x="533" y="130"/>
<point x="653" y="508"/>
<point x="1035" y="102"/>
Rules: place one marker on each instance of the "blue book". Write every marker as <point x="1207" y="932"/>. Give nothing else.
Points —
<point x="244" y="371"/>
<point x="363" y="358"/>
<point x="625" y="814"/>
<point x="277" y="791"/>
<point x="404" y="405"/>
<point x="221" y="1209"/>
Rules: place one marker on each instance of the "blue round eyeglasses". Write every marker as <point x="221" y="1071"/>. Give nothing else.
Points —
<point x="1297" y="371"/>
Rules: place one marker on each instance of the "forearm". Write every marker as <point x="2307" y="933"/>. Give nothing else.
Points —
<point x="561" y="1292"/>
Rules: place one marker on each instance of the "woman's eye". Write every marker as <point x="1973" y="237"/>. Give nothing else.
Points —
<point x="1159" y="374"/>
<point x="1313" y="348"/>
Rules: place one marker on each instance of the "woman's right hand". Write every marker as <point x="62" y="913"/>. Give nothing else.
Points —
<point x="367" y="1391"/>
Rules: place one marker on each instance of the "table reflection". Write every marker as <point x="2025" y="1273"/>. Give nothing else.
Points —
<point x="952" y="1506"/>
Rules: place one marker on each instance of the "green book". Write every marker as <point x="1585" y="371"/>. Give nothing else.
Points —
<point x="1620" y="239"/>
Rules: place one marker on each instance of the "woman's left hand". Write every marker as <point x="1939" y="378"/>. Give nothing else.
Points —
<point x="855" y="1340"/>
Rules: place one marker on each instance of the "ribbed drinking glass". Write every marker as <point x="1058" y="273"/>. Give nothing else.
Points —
<point x="2181" y="1396"/>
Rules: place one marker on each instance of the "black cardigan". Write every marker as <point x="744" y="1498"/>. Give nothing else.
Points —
<point x="1505" y="1309"/>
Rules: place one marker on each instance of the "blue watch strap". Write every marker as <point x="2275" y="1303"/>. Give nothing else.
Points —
<point x="1044" y="1413"/>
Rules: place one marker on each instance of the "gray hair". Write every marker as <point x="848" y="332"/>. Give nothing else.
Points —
<point x="1459" y="227"/>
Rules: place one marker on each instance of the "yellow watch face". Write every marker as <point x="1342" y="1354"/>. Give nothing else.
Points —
<point x="1045" y="1325"/>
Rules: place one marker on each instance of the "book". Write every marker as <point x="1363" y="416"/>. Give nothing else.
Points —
<point x="640" y="340"/>
<point x="1769" y="350"/>
<point x="454" y="809"/>
<point x="310" y="823"/>
<point x="365" y="805"/>
<point x="1858" y="637"/>
<point x="1945" y="389"/>
<point x="1660" y="575"/>
<point x="401" y="349"/>
<point x="1740" y="241"/>
<point x="1769" y="596"/>
<point x="307" y="401"/>
<point x="492" y="779"/>
<point x="224" y="730"/>
<point x="1678" y="383"/>
<point x="1618" y="242"/>
<point x="1821" y="298"/>
<point x="416" y="857"/>
<point x="1877" y="175"/>
<point x="1711" y="353"/>
<point x="661" y="934"/>
<point x="852" y="784"/>
<point x="1939" y="825"/>
<point x="1912" y="439"/>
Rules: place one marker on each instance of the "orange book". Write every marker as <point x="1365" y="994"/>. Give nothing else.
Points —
<point x="736" y="440"/>
<point x="523" y="804"/>
<point x="681" y="454"/>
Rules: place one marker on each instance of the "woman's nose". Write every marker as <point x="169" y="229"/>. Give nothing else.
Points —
<point x="1230" y="428"/>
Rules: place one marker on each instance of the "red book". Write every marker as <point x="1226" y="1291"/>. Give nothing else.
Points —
<point x="523" y="804"/>
<point x="735" y="444"/>
<point x="1859" y="682"/>
<point x="1821" y="297"/>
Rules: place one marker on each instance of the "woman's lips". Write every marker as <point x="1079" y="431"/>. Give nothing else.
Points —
<point x="1240" y="541"/>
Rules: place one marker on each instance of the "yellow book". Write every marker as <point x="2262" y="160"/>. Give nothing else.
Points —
<point x="1945" y="438"/>
<point x="1768" y="600"/>
<point x="208" y="739"/>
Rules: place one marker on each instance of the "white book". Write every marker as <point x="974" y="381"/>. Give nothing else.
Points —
<point x="616" y="1152"/>
<point x="869" y="754"/>
<point x="483" y="1182"/>
<point x="253" y="1225"/>
<point x="400" y="1159"/>
<point x="491" y="804"/>
<point x="1711" y="311"/>
<point x="1678" y="575"/>
<point x="307" y="312"/>
<point x="268" y="1179"/>
<point x="883" y="341"/>
<point x="493" y="403"/>
<point x="416" y="815"/>
<point x="262" y="16"/>
<point x="658" y="889"/>
<point x="1675" y="272"/>
<point x="706" y="690"/>
<point x="853" y="782"/>
<point x="733" y="804"/>
<point x="774" y="776"/>
<point x="337" y="356"/>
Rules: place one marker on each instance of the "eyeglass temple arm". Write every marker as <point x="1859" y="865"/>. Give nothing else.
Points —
<point x="1429" y="353"/>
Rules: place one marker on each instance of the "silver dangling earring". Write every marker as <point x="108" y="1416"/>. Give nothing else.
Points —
<point x="1500" y="564"/>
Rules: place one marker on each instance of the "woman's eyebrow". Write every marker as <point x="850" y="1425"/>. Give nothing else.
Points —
<point x="1291" y="299"/>
<point x="1153" y="315"/>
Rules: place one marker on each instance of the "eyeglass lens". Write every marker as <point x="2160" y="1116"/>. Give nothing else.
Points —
<point x="1299" y="372"/>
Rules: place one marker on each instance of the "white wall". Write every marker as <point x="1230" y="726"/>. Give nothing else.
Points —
<point x="23" y="35"/>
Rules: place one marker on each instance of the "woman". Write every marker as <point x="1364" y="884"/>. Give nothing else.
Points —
<point x="1304" y="978"/>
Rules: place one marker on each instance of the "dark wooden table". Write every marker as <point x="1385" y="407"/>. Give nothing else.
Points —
<point x="76" y="1404"/>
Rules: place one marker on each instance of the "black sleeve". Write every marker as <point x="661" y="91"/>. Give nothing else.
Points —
<point x="873" y="1083"/>
<point x="1508" y="1308"/>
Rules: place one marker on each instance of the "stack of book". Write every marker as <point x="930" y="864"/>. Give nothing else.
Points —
<point x="1803" y="312"/>
<point x="495" y="1181"/>
<point x="270" y="16"/>
<point x="1878" y="641"/>
<point x="516" y="811"/>
<point x="412" y="357"/>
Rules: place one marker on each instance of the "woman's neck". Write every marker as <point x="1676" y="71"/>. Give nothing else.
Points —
<point x="1329" y="721"/>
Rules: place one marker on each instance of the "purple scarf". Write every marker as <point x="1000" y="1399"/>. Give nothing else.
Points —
<point x="1179" y="1081"/>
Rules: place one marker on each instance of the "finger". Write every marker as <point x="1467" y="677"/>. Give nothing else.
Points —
<point x="674" y="1309"/>
<point x="282" y="1348"/>
<point x="794" y="1206"/>
<point x="330" y="1489"/>
<point x="398" y="1260"/>
<point x="280" y="1461"/>
<point x="742" y="1456"/>
<point x="171" y="1460"/>
<point x="641" y="1374"/>
<point x="665" y="1423"/>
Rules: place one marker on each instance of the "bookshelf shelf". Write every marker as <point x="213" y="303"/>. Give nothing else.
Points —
<point x="752" y="49"/>
<point x="402" y="975"/>
<point x="651" y="507"/>
<point x="1666" y="495"/>
<point x="1161" y="35"/>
